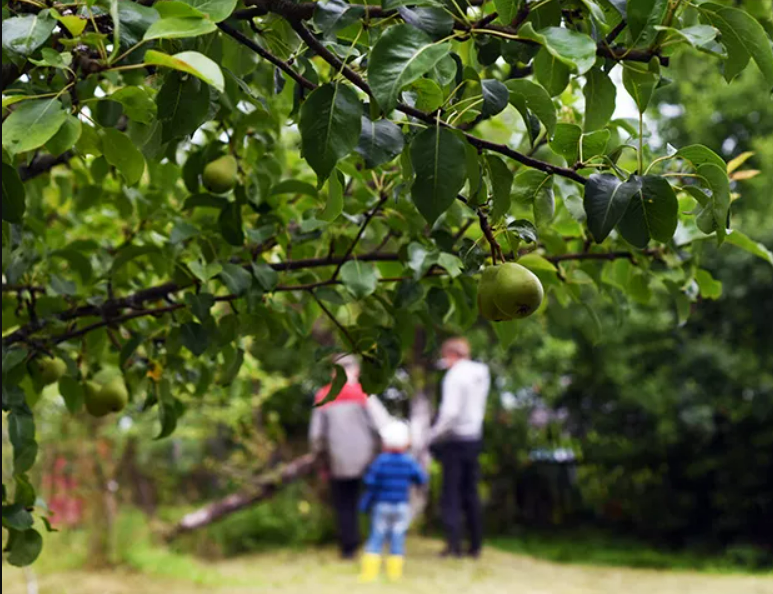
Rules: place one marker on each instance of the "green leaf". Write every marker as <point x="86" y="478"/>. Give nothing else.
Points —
<point x="506" y="332"/>
<point x="719" y="184"/>
<point x="652" y="212"/>
<point x="176" y="8"/>
<point x="566" y="142"/>
<point x="606" y="201"/>
<point x="697" y="35"/>
<point x="205" y="271"/>
<point x="193" y="63"/>
<point x="643" y="17"/>
<point x="507" y="9"/>
<point x="576" y="50"/>
<point x="216" y="10"/>
<point x="21" y="430"/>
<point x="529" y="184"/>
<point x="709" y="286"/>
<point x="14" y="202"/>
<point x="551" y="72"/>
<point x="121" y="153"/>
<point x="545" y="205"/>
<point x="600" y="99"/>
<point x="129" y="348"/>
<point x="195" y="338"/>
<point x="129" y="253"/>
<point x="170" y="409"/>
<point x="339" y="381"/>
<point x="437" y="22"/>
<point x="236" y="278"/>
<point x="743" y="36"/>
<point x="527" y="96"/>
<point x="72" y="392"/>
<point x="183" y="104"/>
<point x="32" y="125"/>
<point x="380" y="142"/>
<point x="524" y="229"/>
<point x="135" y="20"/>
<point x="698" y="155"/>
<point x="266" y="276"/>
<point x="178" y="28"/>
<point x="333" y="15"/>
<point x="16" y="517"/>
<point x="330" y="124"/>
<point x="402" y="55"/>
<point x="137" y="103"/>
<point x="201" y="305"/>
<point x="501" y="185"/>
<point x="495" y="96"/>
<point x="438" y="156"/>
<point x="74" y="24"/>
<point x="232" y="366"/>
<point x="360" y="278"/>
<point x="294" y="186"/>
<point x="66" y="137"/>
<point x="429" y="95"/>
<point x="594" y="144"/>
<point x="231" y="224"/>
<point x="335" y="198"/>
<point x="747" y="244"/>
<point x="23" y="35"/>
<point x="451" y="264"/>
<point x="641" y="80"/>
<point x="24" y="548"/>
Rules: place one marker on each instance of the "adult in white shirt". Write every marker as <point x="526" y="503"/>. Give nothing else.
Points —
<point x="457" y="439"/>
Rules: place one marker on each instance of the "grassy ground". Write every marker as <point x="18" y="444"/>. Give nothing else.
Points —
<point x="295" y="572"/>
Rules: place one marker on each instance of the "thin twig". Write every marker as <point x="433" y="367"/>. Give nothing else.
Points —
<point x="333" y="319"/>
<point x="360" y="233"/>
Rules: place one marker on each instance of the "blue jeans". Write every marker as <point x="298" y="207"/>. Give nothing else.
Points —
<point x="389" y="524"/>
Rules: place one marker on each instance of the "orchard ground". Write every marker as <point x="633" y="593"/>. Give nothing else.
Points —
<point x="318" y="571"/>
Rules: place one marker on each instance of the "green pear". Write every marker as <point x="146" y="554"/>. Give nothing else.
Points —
<point x="103" y="400"/>
<point x="519" y="292"/>
<point x="219" y="176"/>
<point x="51" y="370"/>
<point x="486" y="293"/>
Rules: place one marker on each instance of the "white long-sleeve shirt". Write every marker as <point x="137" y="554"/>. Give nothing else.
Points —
<point x="463" y="407"/>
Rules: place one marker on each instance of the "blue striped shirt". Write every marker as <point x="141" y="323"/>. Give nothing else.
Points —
<point x="389" y="479"/>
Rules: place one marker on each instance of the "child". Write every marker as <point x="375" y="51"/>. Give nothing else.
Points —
<point x="388" y="483"/>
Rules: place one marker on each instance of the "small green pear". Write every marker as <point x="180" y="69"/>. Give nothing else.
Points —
<point x="103" y="400"/>
<point x="519" y="292"/>
<point x="219" y="176"/>
<point x="51" y="370"/>
<point x="486" y="292"/>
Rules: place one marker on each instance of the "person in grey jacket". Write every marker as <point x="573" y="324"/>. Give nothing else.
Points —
<point x="457" y="441"/>
<point x="345" y="433"/>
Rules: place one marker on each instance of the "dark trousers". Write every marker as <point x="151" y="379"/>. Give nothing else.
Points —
<point x="346" y="501"/>
<point x="460" y="499"/>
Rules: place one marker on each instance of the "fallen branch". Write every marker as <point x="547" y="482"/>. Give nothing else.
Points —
<point x="264" y="488"/>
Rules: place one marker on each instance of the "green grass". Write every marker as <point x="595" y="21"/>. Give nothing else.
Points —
<point x="589" y="548"/>
<point x="153" y="570"/>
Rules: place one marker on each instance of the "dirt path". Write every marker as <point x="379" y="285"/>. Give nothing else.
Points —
<point x="321" y="573"/>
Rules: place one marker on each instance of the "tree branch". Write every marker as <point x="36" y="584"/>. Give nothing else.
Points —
<point x="304" y="11"/>
<point x="479" y="143"/>
<point x="110" y="314"/>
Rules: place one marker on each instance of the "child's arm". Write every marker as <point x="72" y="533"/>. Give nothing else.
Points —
<point x="419" y="477"/>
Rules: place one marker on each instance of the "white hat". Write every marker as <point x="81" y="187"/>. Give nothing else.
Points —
<point x="396" y="436"/>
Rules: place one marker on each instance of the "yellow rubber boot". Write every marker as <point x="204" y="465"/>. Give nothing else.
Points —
<point x="371" y="566"/>
<point x="395" y="567"/>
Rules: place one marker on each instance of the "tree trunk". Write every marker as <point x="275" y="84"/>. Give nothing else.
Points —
<point x="265" y="487"/>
